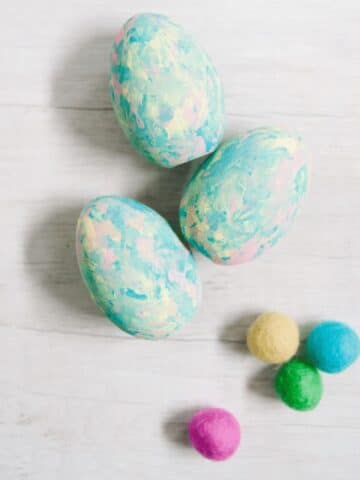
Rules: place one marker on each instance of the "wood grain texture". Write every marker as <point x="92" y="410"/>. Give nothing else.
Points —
<point x="80" y="399"/>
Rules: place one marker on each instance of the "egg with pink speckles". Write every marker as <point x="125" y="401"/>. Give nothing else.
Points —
<point x="166" y="93"/>
<point x="136" y="269"/>
<point x="244" y="197"/>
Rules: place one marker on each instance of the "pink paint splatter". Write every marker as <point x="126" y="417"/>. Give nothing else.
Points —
<point x="283" y="177"/>
<point x="145" y="248"/>
<point x="118" y="89"/>
<point x="247" y="253"/>
<point x="136" y="221"/>
<point x="119" y="36"/>
<point x="101" y="207"/>
<point x="103" y="230"/>
<point x="155" y="69"/>
<point x="114" y="58"/>
<point x="233" y="205"/>
<point x="108" y="258"/>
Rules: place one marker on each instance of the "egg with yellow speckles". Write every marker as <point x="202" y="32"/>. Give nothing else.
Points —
<point x="165" y="91"/>
<point x="243" y="198"/>
<point x="136" y="269"/>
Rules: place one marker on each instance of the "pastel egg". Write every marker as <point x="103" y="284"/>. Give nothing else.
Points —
<point x="332" y="346"/>
<point x="242" y="199"/>
<point x="165" y="91"/>
<point x="135" y="267"/>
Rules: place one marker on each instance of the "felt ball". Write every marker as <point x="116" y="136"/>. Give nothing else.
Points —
<point x="273" y="337"/>
<point x="214" y="433"/>
<point x="332" y="346"/>
<point x="299" y="385"/>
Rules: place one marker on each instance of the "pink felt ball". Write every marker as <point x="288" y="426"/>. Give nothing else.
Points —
<point x="215" y="433"/>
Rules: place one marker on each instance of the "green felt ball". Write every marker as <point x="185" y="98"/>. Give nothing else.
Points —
<point x="299" y="385"/>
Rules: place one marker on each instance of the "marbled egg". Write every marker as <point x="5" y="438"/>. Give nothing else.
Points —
<point x="135" y="267"/>
<point x="242" y="199"/>
<point x="165" y="91"/>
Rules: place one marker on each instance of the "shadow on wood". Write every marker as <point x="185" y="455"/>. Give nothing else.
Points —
<point x="163" y="194"/>
<point x="50" y="260"/>
<point x="233" y="334"/>
<point x="175" y="427"/>
<point x="306" y="327"/>
<point x="262" y="382"/>
<point x="81" y="99"/>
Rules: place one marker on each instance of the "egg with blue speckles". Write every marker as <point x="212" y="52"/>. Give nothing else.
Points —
<point x="135" y="267"/>
<point x="242" y="199"/>
<point x="332" y="346"/>
<point x="165" y="91"/>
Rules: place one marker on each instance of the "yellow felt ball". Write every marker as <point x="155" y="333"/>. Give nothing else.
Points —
<point x="273" y="337"/>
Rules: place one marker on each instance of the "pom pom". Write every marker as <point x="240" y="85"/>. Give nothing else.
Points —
<point x="332" y="346"/>
<point x="273" y="337"/>
<point x="299" y="385"/>
<point x="215" y="433"/>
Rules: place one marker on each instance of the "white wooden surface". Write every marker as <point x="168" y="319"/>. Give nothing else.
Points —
<point x="78" y="398"/>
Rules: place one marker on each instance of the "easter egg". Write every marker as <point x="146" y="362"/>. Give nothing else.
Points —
<point x="332" y="346"/>
<point x="165" y="91"/>
<point x="214" y="433"/>
<point x="299" y="385"/>
<point x="242" y="199"/>
<point x="135" y="267"/>
<point x="273" y="337"/>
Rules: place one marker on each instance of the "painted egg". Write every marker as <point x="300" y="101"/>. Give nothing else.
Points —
<point x="242" y="199"/>
<point x="135" y="267"/>
<point x="165" y="91"/>
<point x="332" y="346"/>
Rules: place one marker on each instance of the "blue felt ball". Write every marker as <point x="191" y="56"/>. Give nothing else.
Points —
<point x="332" y="346"/>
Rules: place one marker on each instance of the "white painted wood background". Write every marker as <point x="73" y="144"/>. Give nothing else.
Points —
<point x="78" y="398"/>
